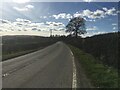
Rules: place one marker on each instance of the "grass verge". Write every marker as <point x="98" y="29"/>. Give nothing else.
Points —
<point x="16" y="54"/>
<point x="101" y="76"/>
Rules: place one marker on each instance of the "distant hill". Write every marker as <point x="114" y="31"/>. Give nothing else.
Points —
<point x="20" y="44"/>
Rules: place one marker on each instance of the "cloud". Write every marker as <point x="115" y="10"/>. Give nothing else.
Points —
<point x="44" y="17"/>
<point x="118" y="12"/>
<point x="62" y="16"/>
<point x="93" y="14"/>
<point x="97" y="14"/>
<point x="100" y="32"/>
<point x="20" y="9"/>
<point x="114" y="24"/>
<point x="89" y="34"/>
<point x="23" y="20"/>
<point x="61" y="29"/>
<point x="87" y="13"/>
<point x="4" y="21"/>
<point x="27" y="25"/>
<point x="29" y="6"/>
<point x="20" y="1"/>
<point x="26" y="8"/>
<point x="114" y="28"/>
<point x="91" y="20"/>
<point x="88" y="0"/>
<point x="77" y="14"/>
<point x="92" y="28"/>
<point x="34" y="29"/>
<point x="111" y="11"/>
<point x="55" y="24"/>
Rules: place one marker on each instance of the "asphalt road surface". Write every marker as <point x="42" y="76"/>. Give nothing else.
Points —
<point x="51" y="67"/>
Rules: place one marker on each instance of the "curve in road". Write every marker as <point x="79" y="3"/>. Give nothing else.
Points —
<point x="51" y="67"/>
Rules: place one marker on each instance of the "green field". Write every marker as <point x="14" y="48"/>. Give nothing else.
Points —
<point x="16" y="54"/>
<point x="14" y="46"/>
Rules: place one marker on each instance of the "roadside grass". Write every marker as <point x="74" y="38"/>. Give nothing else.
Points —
<point x="16" y="54"/>
<point x="100" y="76"/>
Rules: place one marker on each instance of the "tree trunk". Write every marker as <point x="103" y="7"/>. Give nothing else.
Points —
<point x="76" y="33"/>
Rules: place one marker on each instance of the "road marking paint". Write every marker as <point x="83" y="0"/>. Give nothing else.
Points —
<point x="74" y="81"/>
<point x="13" y="70"/>
<point x="6" y="74"/>
<point x="71" y="53"/>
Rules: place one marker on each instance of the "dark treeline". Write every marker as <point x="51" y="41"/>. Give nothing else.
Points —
<point x="103" y="47"/>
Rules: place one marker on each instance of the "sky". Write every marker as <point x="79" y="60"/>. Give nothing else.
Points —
<point x="22" y="17"/>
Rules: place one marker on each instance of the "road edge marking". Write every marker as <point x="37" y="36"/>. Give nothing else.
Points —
<point x="74" y="81"/>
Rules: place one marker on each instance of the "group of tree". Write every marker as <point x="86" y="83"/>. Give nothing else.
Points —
<point x="103" y="47"/>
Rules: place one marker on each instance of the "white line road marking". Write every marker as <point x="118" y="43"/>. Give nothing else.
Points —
<point x="5" y="74"/>
<point x="74" y="82"/>
<point x="71" y="53"/>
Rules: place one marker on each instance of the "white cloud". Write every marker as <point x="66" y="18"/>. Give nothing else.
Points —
<point x="91" y="20"/>
<point x="104" y="8"/>
<point x="23" y="20"/>
<point x="100" y="32"/>
<point x="93" y="14"/>
<point x="114" y="24"/>
<point x="26" y="8"/>
<point x="87" y="13"/>
<point x="4" y="21"/>
<point x="62" y="16"/>
<point x="44" y="17"/>
<point x="61" y="29"/>
<point x="118" y="12"/>
<point x="20" y="9"/>
<point x="55" y="24"/>
<point x="88" y="0"/>
<point x="114" y="28"/>
<point x="97" y="14"/>
<point x="77" y="14"/>
<point x="111" y="11"/>
<point x="92" y="28"/>
<point x="24" y="26"/>
<point x="89" y="34"/>
<point x="20" y="1"/>
<point x="29" y="6"/>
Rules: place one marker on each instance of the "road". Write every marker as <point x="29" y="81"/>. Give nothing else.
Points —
<point x="51" y="67"/>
